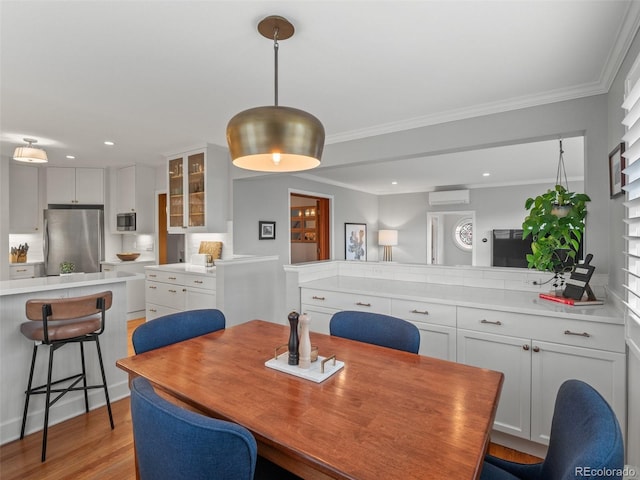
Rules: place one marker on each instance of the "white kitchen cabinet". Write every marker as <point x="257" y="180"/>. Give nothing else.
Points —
<point x="25" y="215"/>
<point x="436" y="323"/>
<point x="135" y="193"/>
<point x="322" y="304"/>
<point x="198" y="190"/>
<point x="537" y="354"/>
<point x="511" y="356"/>
<point x="71" y="186"/>
<point x="170" y="292"/>
<point x="21" y="270"/>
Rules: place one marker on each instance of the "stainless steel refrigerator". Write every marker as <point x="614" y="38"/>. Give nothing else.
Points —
<point x="73" y="235"/>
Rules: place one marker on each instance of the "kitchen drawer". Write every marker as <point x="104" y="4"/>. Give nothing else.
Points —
<point x="200" y="281"/>
<point x="602" y="336"/>
<point x="172" y="296"/>
<point x="431" y="313"/>
<point x="21" y="271"/>
<point x="155" y="311"/>
<point x="166" y="277"/>
<point x="345" y="301"/>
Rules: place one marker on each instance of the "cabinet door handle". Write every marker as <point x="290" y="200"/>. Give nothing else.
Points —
<point x="421" y="312"/>
<point x="153" y="287"/>
<point x="153" y="310"/>
<point x="497" y="322"/>
<point x="21" y="270"/>
<point x="198" y="281"/>
<point x="536" y="349"/>
<point x="361" y="304"/>
<point x="317" y="298"/>
<point x="583" y="334"/>
<point x="525" y="346"/>
<point x="172" y="278"/>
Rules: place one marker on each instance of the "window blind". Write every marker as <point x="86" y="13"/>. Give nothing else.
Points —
<point x="631" y="138"/>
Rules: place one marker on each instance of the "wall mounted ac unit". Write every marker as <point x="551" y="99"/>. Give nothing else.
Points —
<point x="450" y="197"/>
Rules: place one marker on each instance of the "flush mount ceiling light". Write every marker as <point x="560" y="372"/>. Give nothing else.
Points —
<point x="275" y="138"/>
<point x="29" y="153"/>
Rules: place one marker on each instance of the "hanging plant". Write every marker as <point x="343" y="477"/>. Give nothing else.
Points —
<point x="556" y="226"/>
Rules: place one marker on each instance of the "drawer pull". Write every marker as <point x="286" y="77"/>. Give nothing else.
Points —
<point x="536" y="349"/>
<point x="583" y="334"/>
<point x="153" y="275"/>
<point x="172" y="291"/>
<point x="21" y="270"/>
<point x="315" y="297"/>
<point x="172" y="278"/>
<point x="361" y="304"/>
<point x="421" y="312"/>
<point x="153" y="310"/>
<point x="153" y="287"/>
<point x="525" y="347"/>
<point x="497" y="322"/>
<point x="198" y="281"/>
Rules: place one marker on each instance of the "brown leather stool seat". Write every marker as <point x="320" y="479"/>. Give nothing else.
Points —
<point x="57" y="322"/>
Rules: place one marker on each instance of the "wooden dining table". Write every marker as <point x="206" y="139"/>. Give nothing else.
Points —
<point x="385" y="414"/>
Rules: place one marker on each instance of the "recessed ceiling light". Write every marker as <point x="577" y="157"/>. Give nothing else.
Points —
<point x="71" y="157"/>
<point x="486" y="174"/>
<point x="394" y="183"/>
<point x="109" y="142"/>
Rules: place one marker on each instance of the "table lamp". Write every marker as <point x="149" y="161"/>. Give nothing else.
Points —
<point x="387" y="238"/>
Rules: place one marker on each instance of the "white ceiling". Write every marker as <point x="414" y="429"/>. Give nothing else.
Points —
<point x="158" y="76"/>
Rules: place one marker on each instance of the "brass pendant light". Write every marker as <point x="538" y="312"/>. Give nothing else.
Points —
<point x="275" y="138"/>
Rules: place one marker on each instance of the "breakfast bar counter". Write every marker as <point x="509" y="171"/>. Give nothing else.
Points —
<point x="16" y="350"/>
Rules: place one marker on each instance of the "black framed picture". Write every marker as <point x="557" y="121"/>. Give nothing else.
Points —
<point x="355" y="238"/>
<point x="267" y="230"/>
<point x="617" y="163"/>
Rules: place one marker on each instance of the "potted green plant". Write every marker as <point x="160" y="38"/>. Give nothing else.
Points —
<point x="556" y="225"/>
<point x="67" y="268"/>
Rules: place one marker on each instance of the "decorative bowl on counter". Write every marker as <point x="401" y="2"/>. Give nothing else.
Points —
<point x="127" y="257"/>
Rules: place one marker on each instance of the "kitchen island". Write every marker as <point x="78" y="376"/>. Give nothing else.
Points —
<point x="16" y="350"/>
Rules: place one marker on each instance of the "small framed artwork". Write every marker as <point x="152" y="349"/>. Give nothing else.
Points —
<point x="617" y="163"/>
<point x="267" y="230"/>
<point x="355" y="236"/>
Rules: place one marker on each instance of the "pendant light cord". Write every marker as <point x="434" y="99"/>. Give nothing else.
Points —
<point x="561" y="170"/>
<point x="275" y="54"/>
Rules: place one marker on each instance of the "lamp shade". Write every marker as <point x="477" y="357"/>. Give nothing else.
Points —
<point x="30" y="154"/>
<point x="388" y="237"/>
<point x="275" y="139"/>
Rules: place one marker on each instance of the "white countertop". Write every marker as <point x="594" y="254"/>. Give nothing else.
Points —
<point x="475" y="297"/>
<point x="139" y="261"/>
<point x="45" y="284"/>
<point x="184" y="268"/>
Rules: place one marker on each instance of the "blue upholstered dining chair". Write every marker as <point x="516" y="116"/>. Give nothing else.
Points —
<point x="175" y="328"/>
<point x="585" y="437"/>
<point x="174" y="443"/>
<point x="377" y="329"/>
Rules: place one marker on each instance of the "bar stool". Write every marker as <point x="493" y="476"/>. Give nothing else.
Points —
<point x="56" y="323"/>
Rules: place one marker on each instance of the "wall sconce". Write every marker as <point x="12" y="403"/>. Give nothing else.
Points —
<point x="387" y="238"/>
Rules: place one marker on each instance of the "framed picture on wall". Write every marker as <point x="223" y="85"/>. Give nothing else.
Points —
<point x="267" y="230"/>
<point x="617" y="163"/>
<point x="355" y="237"/>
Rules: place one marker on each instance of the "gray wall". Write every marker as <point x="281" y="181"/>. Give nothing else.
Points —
<point x="267" y="198"/>
<point x="495" y="208"/>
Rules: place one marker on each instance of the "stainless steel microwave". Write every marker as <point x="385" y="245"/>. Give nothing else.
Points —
<point x="126" y="222"/>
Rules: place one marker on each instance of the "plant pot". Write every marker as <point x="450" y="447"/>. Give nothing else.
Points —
<point x="561" y="211"/>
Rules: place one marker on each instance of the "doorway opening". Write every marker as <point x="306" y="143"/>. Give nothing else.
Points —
<point x="450" y="238"/>
<point x="170" y="245"/>
<point x="309" y="228"/>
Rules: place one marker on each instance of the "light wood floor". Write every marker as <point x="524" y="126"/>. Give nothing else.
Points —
<point x="86" y="448"/>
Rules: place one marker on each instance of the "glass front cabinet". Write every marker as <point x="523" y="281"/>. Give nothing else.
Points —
<point x="197" y="191"/>
<point x="303" y="224"/>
